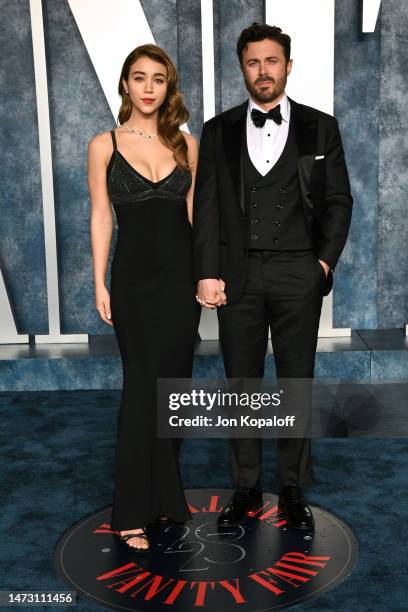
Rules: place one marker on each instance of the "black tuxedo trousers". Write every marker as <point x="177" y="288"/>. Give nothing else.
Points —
<point x="283" y="292"/>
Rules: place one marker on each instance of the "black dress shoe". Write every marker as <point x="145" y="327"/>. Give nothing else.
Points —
<point x="292" y="503"/>
<point x="243" y="500"/>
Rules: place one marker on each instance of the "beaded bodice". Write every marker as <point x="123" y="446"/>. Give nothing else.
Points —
<point x="126" y="184"/>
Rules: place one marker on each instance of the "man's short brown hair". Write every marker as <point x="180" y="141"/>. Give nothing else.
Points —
<point x="257" y="32"/>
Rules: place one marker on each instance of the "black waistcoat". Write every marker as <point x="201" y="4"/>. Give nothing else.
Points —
<point x="273" y="208"/>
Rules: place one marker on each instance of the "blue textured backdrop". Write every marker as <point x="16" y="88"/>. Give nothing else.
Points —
<point x="370" y="92"/>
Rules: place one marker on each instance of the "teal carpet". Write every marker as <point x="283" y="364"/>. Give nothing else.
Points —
<point x="57" y="452"/>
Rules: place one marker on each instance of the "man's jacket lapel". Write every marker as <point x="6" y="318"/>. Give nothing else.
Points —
<point x="233" y="128"/>
<point x="305" y="128"/>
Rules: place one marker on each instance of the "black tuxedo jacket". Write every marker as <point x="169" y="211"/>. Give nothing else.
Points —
<point x="219" y="227"/>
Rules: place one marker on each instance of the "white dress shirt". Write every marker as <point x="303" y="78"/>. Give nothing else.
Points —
<point x="265" y="144"/>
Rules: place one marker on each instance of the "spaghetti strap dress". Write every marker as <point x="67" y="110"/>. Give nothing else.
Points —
<point x="155" y="317"/>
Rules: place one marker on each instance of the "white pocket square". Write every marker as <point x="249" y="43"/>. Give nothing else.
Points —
<point x="319" y="157"/>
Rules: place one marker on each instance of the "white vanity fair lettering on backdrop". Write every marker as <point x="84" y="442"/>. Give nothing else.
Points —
<point x="371" y="9"/>
<point x="97" y="21"/>
<point x="44" y="132"/>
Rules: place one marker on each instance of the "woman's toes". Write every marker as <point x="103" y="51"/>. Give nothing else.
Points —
<point x="136" y="541"/>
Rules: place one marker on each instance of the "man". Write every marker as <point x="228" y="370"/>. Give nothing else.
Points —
<point x="272" y="210"/>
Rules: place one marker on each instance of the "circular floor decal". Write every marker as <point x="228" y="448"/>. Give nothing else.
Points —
<point x="258" y="565"/>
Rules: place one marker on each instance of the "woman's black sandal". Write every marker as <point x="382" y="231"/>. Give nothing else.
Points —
<point x="127" y="536"/>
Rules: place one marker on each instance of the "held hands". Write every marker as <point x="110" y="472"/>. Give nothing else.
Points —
<point x="210" y="293"/>
<point x="102" y="300"/>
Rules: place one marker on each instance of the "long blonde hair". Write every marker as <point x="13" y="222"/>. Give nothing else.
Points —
<point x="172" y="113"/>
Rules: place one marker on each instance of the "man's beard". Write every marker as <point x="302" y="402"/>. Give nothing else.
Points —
<point x="278" y="87"/>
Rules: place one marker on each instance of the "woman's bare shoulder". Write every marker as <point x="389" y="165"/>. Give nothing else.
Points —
<point x="190" y="139"/>
<point x="101" y="140"/>
<point x="192" y="146"/>
<point x="101" y="144"/>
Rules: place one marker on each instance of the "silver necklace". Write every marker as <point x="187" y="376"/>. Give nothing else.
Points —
<point x="139" y="133"/>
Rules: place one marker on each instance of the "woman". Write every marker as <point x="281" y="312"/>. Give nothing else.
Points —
<point x="146" y="168"/>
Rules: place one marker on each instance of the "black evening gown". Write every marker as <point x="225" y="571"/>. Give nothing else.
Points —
<point x="155" y="318"/>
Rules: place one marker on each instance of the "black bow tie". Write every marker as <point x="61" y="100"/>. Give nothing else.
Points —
<point x="259" y="118"/>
